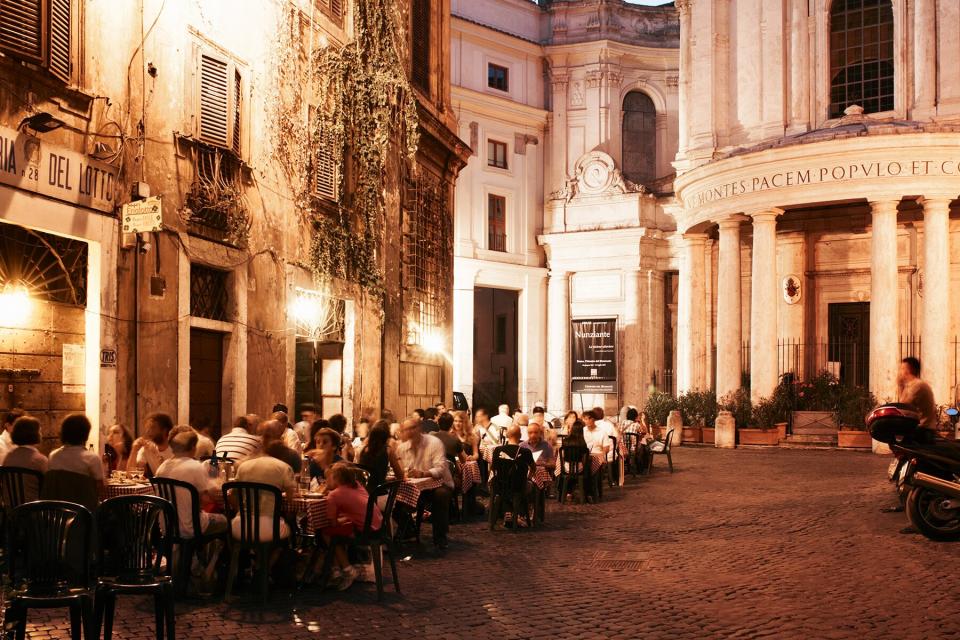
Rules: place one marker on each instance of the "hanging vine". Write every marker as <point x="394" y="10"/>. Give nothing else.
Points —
<point x="365" y="110"/>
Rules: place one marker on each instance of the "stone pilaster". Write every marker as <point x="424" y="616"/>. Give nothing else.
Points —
<point x="691" y="346"/>
<point x="729" y="324"/>
<point x="936" y="295"/>
<point x="558" y="342"/>
<point x="764" y="292"/>
<point x="884" y="305"/>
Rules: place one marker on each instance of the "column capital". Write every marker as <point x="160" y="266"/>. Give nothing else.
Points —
<point x="884" y="206"/>
<point x="694" y="238"/>
<point x="732" y="221"/>
<point x="935" y="200"/>
<point x="766" y="215"/>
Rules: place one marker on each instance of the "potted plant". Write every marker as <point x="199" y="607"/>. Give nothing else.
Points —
<point x="658" y="408"/>
<point x="817" y="403"/>
<point x="699" y="411"/>
<point x="765" y="414"/>
<point x="854" y="404"/>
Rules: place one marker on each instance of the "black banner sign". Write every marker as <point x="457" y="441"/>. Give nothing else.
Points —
<point x="594" y="351"/>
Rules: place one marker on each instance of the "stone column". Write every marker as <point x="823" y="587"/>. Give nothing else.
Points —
<point x="558" y="130"/>
<point x="925" y="56"/>
<point x="558" y="342"/>
<point x="463" y="290"/>
<point x="936" y="295"/>
<point x="884" y="304"/>
<point x="654" y="322"/>
<point x="691" y="353"/>
<point x="635" y="336"/>
<point x="764" y="293"/>
<point x="729" y="333"/>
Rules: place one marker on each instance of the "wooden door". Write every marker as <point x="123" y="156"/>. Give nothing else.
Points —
<point x="206" y="380"/>
<point x="849" y="341"/>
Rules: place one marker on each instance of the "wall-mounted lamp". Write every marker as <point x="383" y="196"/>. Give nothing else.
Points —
<point x="41" y="122"/>
<point x="15" y="304"/>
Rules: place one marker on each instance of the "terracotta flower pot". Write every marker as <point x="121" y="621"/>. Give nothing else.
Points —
<point x="781" y="430"/>
<point x="707" y="435"/>
<point x="850" y="439"/>
<point x="759" y="437"/>
<point x="691" y="434"/>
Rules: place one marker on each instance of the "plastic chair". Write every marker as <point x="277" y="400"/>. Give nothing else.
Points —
<point x="136" y="555"/>
<point x="667" y="444"/>
<point x="250" y="498"/>
<point x="631" y="442"/>
<point x="18" y="486"/>
<point x="509" y="485"/>
<point x="574" y="468"/>
<point x="68" y="486"/>
<point x="167" y="488"/>
<point x="614" y="465"/>
<point x="48" y="551"/>
<point x="374" y="539"/>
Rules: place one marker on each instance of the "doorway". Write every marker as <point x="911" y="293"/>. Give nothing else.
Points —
<point x="495" y="359"/>
<point x="206" y="380"/>
<point x="319" y="376"/>
<point x="848" y="336"/>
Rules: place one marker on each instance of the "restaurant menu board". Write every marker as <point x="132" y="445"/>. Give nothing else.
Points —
<point x="594" y="351"/>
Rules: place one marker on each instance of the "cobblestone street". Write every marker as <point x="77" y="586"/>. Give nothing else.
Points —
<point x="746" y="543"/>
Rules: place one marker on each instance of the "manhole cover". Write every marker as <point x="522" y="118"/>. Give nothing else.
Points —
<point x="620" y="560"/>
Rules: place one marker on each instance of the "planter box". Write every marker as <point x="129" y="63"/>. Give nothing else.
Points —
<point x="707" y="435"/>
<point x="814" y="423"/>
<point x="848" y="439"/>
<point x="781" y="430"/>
<point x="762" y="437"/>
<point x="691" y="434"/>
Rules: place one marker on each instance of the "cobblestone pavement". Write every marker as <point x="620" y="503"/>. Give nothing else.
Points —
<point x="745" y="544"/>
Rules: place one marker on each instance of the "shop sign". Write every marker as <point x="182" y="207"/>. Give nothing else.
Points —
<point x="108" y="357"/>
<point x="594" y="352"/>
<point x="28" y="163"/>
<point x="142" y="216"/>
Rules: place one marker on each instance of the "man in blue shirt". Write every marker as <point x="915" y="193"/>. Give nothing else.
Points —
<point x="535" y="443"/>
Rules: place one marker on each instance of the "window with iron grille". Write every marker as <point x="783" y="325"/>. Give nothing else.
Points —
<point x="427" y="258"/>
<point x="51" y="268"/>
<point x="40" y="32"/>
<point x="215" y="195"/>
<point x="498" y="77"/>
<point x="333" y="9"/>
<point x="221" y="103"/>
<point x="861" y="56"/>
<point x="323" y="172"/>
<point x="420" y="45"/>
<point x="208" y="292"/>
<point x="496" y="223"/>
<point x="496" y="154"/>
<point x="639" y="138"/>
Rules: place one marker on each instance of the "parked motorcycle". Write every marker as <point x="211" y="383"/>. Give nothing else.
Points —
<point x="927" y="469"/>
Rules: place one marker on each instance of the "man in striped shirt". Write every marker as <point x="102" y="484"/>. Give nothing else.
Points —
<point x="239" y="444"/>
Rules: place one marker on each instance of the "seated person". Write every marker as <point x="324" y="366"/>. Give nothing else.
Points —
<point x="522" y="421"/>
<point x="26" y="436"/>
<point x="267" y="470"/>
<point x="272" y="438"/>
<point x="514" y="450"/>
<point x="240" y="443"/>
<point x="452" y="445"/>
<point x="325" y="454"/>
<point x="520" y="456"/>
<point x="595" y="435"/>
<point x="347" y="507"/>
<point x="536" y="443"/>
<point x="338" y="422"/>
<point x="378" y="454"/>
<point x="152" y="449"/>
<point x="423" y="456"/>
<point x="184" y="466"/>
<point x="73" y="455"/>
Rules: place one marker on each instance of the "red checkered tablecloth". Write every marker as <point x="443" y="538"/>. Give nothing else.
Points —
<point x="410" y="490"/>
<point x="541" y="478"/>
<point x="115" y="490"/>
<point x="486" y="450"/>
<point x="314" y="507"/>
<point x="470" y="472"/>
<point x="596" y="462"/>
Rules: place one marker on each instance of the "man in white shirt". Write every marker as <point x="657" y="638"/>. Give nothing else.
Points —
<point x="609" y="428"/>
<point x="6" y="441"/>
<point x="184" y="467"/>
<point x="596" y="437"/>
<point x="239" y="444"/>
<point x="423" y="456"/>
<point x="152" y="449"/>
<point x="308" y="414"/>
<point x="523" y="421"/>
<point x="502" y="419"/>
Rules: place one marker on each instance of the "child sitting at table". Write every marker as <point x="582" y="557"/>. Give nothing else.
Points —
<point x="347" y="509"/>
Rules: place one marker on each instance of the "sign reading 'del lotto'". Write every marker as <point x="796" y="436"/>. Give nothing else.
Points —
<point x="28" y="163"/>
<point x="594" y="353"/>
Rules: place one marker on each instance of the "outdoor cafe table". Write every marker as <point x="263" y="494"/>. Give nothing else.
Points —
<point x="596" y="462"/>
<point x="117" y="489"/>
<point x="470" y="475"/>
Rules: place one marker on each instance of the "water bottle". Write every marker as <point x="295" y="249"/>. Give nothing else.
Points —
<point x="305" y="474"/>
<point x="214" y="465"/>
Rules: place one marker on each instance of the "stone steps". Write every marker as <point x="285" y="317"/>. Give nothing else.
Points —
<point x="810" y="440"/>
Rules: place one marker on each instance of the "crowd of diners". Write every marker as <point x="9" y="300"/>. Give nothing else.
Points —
<point x="430" y="443"/>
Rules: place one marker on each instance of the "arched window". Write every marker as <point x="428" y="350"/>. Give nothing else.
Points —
<point x="861" y="55"/>
<point x="639" y="138"/>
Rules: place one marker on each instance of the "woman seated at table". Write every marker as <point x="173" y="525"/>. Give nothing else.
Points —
<point x="324" y="454"/>
<point x="377" y="455"/>
<point x="26" y="435"/>
<point x="73" y="455"/>
<point x="568" y="421"/>
<point x="467" y="435"/>
<point x="347" y="507"/>
<point x="116" y="451"/>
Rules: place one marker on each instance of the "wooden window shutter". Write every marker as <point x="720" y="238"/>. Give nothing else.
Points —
<point x="237" y="111"/>
<point x="214" y="101"/>
<point x="60" y="39"/>
<point x="21" y="29"/>
<point x="420" y="47"/>
<point x="336" y="11"/>
<point x="324" y="168"/>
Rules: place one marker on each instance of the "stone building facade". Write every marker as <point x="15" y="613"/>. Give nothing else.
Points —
<point x="589" y="118"/>
<point x="210" y="317"/>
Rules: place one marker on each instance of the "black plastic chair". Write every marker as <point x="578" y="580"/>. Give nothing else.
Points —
<point x="667" y="444"/>
<point x="250" y="499"/>
<point x="631" y="442"/>
<point x="68" y="486"/>
<point x="136" y="556"/>
<point x="574" y="469"/>
<point x="614" y="465"/>
<point x="188" y="545"/>
<point x="374" y="539"/>
<point x="48" y="553"/>
<point x="18" y="486"/>
<point x="508" y="486"/>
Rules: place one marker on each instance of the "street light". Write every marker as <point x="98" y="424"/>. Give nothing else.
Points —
<point x="15" y="304"/>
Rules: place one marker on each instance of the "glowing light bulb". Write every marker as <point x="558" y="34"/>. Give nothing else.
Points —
<point x="433" y="343"/>
<point x="15" y="304"/>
